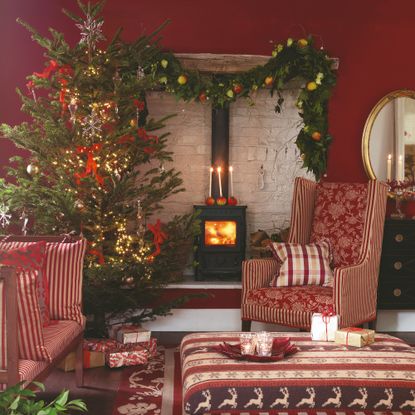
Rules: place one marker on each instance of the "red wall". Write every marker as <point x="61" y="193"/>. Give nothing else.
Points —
<point x="373" y="39"/>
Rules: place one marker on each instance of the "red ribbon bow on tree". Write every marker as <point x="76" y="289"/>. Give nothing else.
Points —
<point x="91" y="164"/>
<point x="139" y="104"/>
<point x="53" y="65"/>
<point x="159" y="237"/>
<point x="142" y="133"/>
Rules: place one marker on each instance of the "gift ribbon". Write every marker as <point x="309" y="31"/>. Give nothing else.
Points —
<point x="326" y="316"/>
<point x="159" y="237"/>
<point x="91" y="164"/>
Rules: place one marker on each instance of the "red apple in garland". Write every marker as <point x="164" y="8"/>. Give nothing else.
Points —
<point x="203" y="97"/>
<point x="232" y="201"/>
<point x="237" y="88"/>
<point x="210" y="201"/>
<point x="221" y="201"/>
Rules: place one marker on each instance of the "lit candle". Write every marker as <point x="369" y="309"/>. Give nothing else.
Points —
<point x="389" y="168"/>
<point x="210" y="182"/>
<point x="231" y="179"/>
<point x="220" y="181"/>
<point x="400" y="168"/>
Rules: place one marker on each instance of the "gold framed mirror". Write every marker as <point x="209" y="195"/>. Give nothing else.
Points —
<point x="388" y="143"/>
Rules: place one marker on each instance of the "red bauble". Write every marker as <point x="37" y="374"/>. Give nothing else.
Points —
<point x="237" y="88"/>
<point x="210" y="201"/>
<point x="232" y="201"/>
<point x="220" y="201"/>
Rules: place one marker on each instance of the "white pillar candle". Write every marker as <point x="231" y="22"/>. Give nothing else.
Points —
<point x="400" y="168"/>
<point x="220" y="181"/>
<point x="389" y="168"/>
<point x="231" y="179"/>
<point x="210" y="181"/>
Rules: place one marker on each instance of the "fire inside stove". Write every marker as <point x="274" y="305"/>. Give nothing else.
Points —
<point x="220" y="232"/>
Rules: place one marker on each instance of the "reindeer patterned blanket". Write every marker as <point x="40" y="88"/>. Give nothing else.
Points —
<point x="323" y="378"/>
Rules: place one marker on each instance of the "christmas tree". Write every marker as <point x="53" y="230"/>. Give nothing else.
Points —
<point x="98" y="167"/>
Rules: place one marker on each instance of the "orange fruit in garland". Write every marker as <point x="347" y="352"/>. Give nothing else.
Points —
<point x="302" y="43"/>
<point x="268" y="80"/>
<point x="316" y="136"/>
<point x="311" y="86"/>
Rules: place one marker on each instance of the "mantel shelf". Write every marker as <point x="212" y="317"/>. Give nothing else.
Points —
<point x="227" y="63"/>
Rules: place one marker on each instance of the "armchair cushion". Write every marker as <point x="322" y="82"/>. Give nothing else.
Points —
<point x="339" y="216"/>
<point x="63" y="270"/>
<point x="310" y="299"/>
<point x="302" y="264"/>
<point x="30" y="255"/>
<point x="29" y="330"/>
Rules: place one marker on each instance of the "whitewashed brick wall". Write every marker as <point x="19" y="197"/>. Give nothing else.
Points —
<point x="258" y="137"/>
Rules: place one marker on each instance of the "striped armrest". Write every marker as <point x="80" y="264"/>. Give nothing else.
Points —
<point x="257" y="273"/>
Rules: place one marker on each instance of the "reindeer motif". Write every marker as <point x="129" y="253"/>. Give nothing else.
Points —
<point x="282" y="401"/>
<point x="205" y="405"/>
<point x="310" y="401"/>
<point x="386" y="402"/>
<point x="360" y="401"/>
<point x="232" y="401"/>
<point x="408" y="402"/>
<point x="258" y="400"/>
<point x="336" y="400"/>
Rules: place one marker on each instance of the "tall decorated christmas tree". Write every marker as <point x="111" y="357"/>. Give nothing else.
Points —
<point x="98" y="167"/>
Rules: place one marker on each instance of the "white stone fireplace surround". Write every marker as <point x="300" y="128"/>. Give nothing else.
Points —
<point x="259" y="138"/>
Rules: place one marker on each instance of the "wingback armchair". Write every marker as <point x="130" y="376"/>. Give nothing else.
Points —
<point x="351" y="217"/>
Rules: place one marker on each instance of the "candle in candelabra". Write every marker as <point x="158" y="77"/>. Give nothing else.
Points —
<point x="231" y="179"/>
<point x="220" y="182"/>
<point x="389" y="168"/>
<point x="400" y="168"/>
<point x="210" y="181"/>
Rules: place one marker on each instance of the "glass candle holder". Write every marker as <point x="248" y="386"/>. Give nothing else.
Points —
<point x="264" y="343"/>
<point x="248" y="343"/>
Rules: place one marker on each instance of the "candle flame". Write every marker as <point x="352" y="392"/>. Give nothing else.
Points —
<point x="211" y="169"/>
<point x="219" y="169"/>
<point x="389" y="156"/>
<point x="400" y="157"/>
<point x="230" y="168"/>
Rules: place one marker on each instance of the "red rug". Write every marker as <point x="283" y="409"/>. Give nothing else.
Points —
<point x="152" y="389"/>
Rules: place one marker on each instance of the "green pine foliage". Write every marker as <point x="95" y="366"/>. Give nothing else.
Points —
<point x="94" y="154"/>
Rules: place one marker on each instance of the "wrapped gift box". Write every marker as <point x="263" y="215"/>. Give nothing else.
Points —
<point x="354" y="336"/>
<point x="91" y="359"/>
<point x="100" y="345"/>
<point x="131" y="354"/>
<point x="324" y="327"/>
<point x="130" y="333"/>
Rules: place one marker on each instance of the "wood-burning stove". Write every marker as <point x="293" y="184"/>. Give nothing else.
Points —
<point x="221" y="243"/>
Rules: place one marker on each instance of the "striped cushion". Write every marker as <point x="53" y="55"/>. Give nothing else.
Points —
<point x="29" y="333"/>
<point x="59" y="335"/>
<point x="302" y="264"/>
<point x="64" y="264"/>
<point x="30" y="255"/>
<point x="28" y="370"/>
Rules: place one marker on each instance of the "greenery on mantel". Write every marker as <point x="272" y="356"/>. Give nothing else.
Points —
<point x="292" y="60"/>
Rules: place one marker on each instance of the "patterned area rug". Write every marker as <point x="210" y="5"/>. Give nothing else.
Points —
<point x="152" y="389"/>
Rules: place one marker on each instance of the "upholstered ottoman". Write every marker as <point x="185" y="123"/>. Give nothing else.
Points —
<point x="320" y="378"/>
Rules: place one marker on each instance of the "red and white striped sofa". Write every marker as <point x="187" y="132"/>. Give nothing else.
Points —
<point x="23" y="329"/>
<point x="349" y="215"/>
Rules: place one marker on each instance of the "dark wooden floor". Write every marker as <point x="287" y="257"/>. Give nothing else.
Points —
<point x="100" y="398"/>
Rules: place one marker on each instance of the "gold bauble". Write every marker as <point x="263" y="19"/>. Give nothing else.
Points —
<point x="33" y="169"/>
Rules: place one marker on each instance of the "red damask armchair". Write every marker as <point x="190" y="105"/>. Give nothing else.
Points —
<point x="351" y="216"/>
